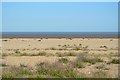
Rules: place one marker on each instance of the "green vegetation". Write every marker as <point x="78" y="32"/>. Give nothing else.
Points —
<point x="17" y="51"/>
<point x="70" y="47"/>
<point x="14" y="72"/>
<point x="50" y="72"/>
<point x="29" y="54"/>
<point x="70" y="73"/>
<point x="103" y="47"/>
<point x="38" y="77"/>
<point x="23" y="54"/>
<point x="70" y="54"/>
<point x="60" y="54"/>
<point x="7" y="76"/>
<point x="52" y="48"/>
<point x="4" y="65"/>
<point x="41" y="54"/>
<point x="115" y="61"/>
<point x="77" y="48"/>
<point x="84" y="58"/>
<point x="93" y="61"/>
<point x="4" y="54"/>
<point x="56" y="70"/>
<point x="42" y="71"/>
<point x="63" y="68"/>
<point x="24" y="72"/>
<point x="114" y="54"/>
<point x="63" y="60"/>
<point x="57" y="73"/>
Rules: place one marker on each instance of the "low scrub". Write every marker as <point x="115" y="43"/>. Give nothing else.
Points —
<point x="83" y="57"/>
<point x="4" y="54"/>
<point x="60" y="54"/>
<point x="93" y="61"/>
<point x="100" y="74"/>
<point x="63" y="60"/>
<point x="55" y="70"/>
<point x="70" y="54"/>
<point x="42" y="54"/>
<point x="4" y="65"/>
<point x="14" y="72"/>
<point x="78" y="64"/>
<point x="7" y="76"/>
<point x="115" y="61"/>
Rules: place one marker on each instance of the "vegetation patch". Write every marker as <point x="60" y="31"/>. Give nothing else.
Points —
<point x="4" y="65"/>
<point x="78" y="64"/>
<point x="41" y="53"/>
<point x="70" y="54"/>
<point x="115" y="61"/>
<point x="83" y="57"/>
<point x="100" y="74"/>
<point x="7" y="76"/>
<point x="63" y="60"/>
<point x="4" y="54"/>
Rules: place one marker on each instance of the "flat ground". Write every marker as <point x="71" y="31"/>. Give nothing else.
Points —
<point x="65" y="57"/>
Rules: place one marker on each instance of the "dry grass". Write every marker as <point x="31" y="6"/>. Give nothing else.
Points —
<point x="74" y="58"/>
<point x="63" y="60"/>
<point x="63" y="54"/>
<point x="83" y="57"/>
<point x="13" y="71"/>
<point x="100" y="74"/>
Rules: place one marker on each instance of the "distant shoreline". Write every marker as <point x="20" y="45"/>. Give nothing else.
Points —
<point x="59" y="35"/>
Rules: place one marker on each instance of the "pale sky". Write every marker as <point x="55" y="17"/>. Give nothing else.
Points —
<point x="60" y="16"/>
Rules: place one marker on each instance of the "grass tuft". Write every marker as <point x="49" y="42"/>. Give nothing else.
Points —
<point x="115" y="61"/>
<point x="63" y="60"/>
<point x="7" y="76"/>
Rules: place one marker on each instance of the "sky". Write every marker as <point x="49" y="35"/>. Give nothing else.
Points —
<point x="60" y="0"/>
<point x="59" y="16"/>
<point x="0" y="18"/>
